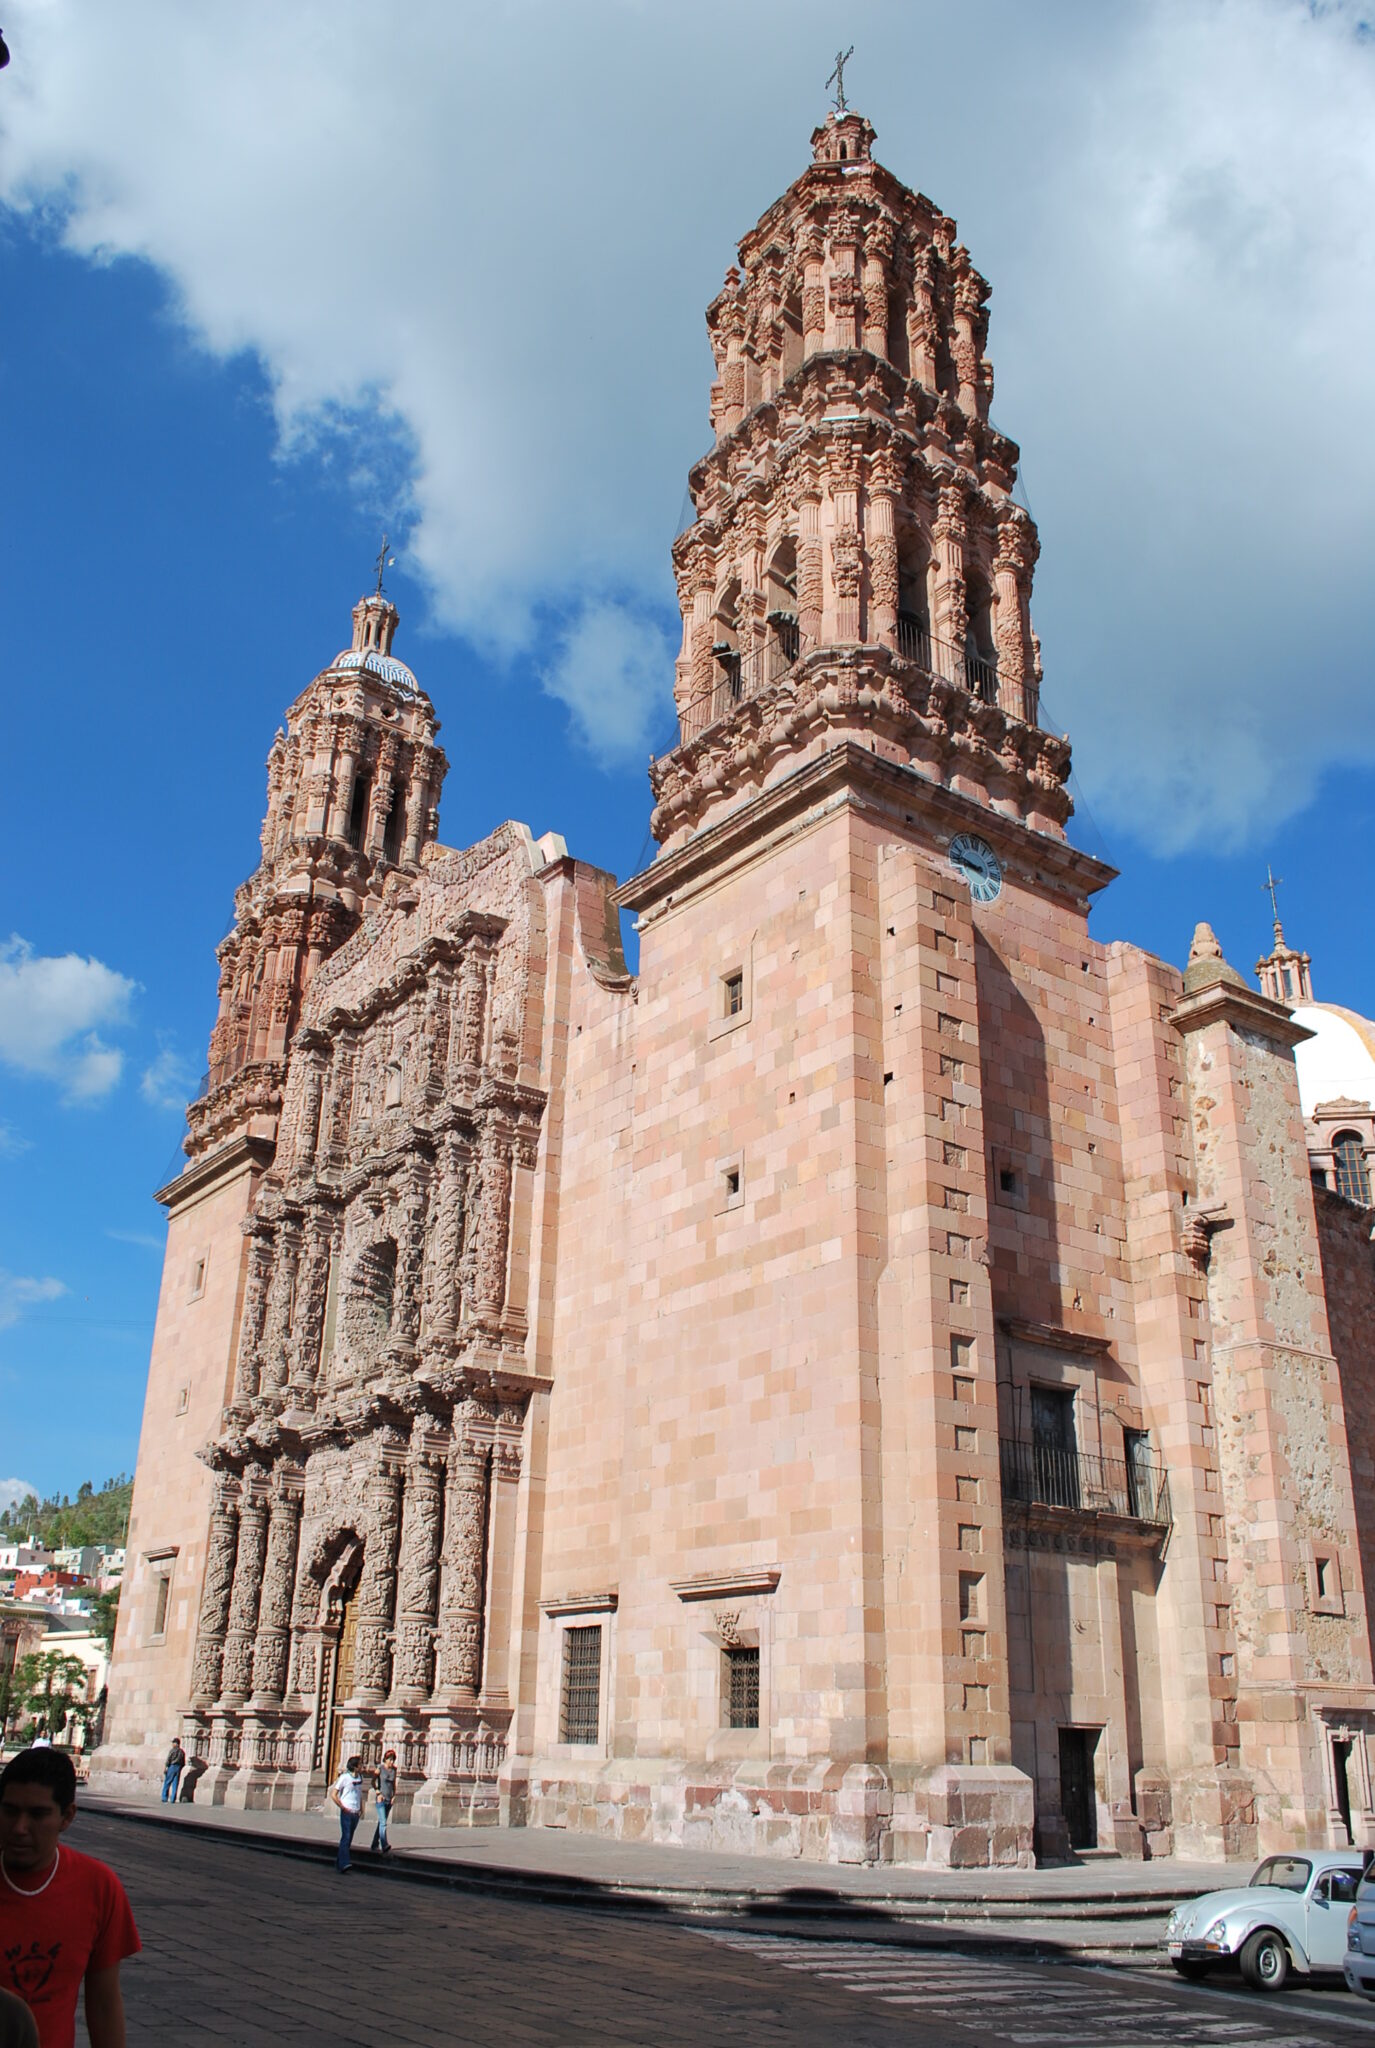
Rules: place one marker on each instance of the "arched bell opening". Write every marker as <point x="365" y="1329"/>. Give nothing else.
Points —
<point x="728" y="677"/>
<point x="980" y="651"/>
<point x="784" y="641"/>
<point x="914" y="604"/>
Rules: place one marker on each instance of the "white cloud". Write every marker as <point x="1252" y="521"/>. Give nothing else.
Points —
<point x="52" y="1008"/>
<point x="12" y="1143"/>
<point x="145" y="1239"/>
<point x="167" y="1081"/>
<point x="613" y="668"/>
<point x="472" y="250"/>
<point x="18" y="1293"/>
<point x="12" y="1491"/>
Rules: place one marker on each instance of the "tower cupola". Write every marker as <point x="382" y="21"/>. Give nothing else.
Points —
<point x="858" y="566"/>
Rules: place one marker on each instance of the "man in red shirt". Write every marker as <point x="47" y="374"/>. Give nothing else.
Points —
<point x="64" y="1918"/>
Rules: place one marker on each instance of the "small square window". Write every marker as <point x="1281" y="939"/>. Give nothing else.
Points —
<point x="580" y="1708"/>
<point x="734" y="985"/>
<point x="741" y="1686"/>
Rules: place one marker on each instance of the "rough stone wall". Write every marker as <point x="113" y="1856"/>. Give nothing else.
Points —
<point x="1348" y="1271"/>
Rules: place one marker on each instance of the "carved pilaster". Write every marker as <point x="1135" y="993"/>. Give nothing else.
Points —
<point x="469" y="1028"/>
<point x="237" y="1674"/>
<point x="308" y="1324"/>
<point x="446" y="1244"/>
<point x="417" y="1601"/>
<point x="281" y="1302"/>
<point x="465" y="1539"/>
<point x="279" y="1571"/>
<point x="493" y="1225"/>
<point x="377" y="1585"/>
<point x="248" y="1367"/>
<point x="952" y="617"/>
<point x="216" y="1591"/>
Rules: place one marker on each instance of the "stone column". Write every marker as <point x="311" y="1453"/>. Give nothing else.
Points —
<point x="500" y="1589"/>
<point x="877" y="251"/>
<point x="237" y="1676"/>
<point x="1012" y="625"/>
<point x="880" y="521"/>
<point x="445" y="1248"/>
<point x="493" y="1233"/>
<point x="417" y="803"/>
<point x="846" y="557"/>
<point x="921" y="321"/>
<point x="410" y="1257"/>
<point x="812" y="265"/>
<point x="377" y="1585"/>
<point x="281" y="1302"/>
<point x="460" y="1599"/>
<point x="965" y="342"/>
<point x="345" y="775"/>
<point x="279" y="1572"/>
<point x="216" y="1589"/>
<point x="308" y="1130"/>
<point x="468" y="1029"/>
<point x="379" y="808"/>
<point x="952" y="617"/>
<point x="810" y="580"/>
<point x="304" y="1351"/>
<point x="417" y="1601"/>
<point x="248" y="1368"/>
<point x="340" y="1103"/>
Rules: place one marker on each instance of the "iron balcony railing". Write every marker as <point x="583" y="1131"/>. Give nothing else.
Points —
<point x="1043" y="1475"/>
<point x="742" y="674"/>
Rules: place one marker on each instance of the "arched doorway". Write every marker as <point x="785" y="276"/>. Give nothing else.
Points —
<point x="339" y="1674"/>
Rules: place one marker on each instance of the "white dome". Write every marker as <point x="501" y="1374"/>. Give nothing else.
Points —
<point x="386" y="666"/>
<point x="1338" y="1062"/>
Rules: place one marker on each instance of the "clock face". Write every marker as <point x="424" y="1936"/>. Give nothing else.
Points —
<point x="974" y="860"/>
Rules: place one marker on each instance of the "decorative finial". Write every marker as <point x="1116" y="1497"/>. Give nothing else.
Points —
<point x="384" y="562"/>
<point x="1205" y="945"/>
<point x="837" y="78"/>
<point x="1271" y="883"/>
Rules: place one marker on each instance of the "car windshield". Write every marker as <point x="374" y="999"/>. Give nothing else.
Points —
<point x="1284" y="1873"/>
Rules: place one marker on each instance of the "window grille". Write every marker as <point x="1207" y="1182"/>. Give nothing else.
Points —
<point x="1353" y="1180"/>
<point x="742" y="1686"/>
<point x="582" y="1684"/>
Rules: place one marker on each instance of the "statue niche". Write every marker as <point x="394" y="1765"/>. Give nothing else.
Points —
<point x="367" y="1312"/>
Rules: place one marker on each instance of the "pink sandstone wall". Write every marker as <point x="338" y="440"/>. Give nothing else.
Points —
<point x="192" y="1362"/>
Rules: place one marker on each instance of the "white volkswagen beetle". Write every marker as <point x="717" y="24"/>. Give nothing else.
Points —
<point x="1292" y="1915"/>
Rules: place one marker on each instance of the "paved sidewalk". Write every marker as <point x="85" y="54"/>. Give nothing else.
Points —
<point x="1096" y="1909"/>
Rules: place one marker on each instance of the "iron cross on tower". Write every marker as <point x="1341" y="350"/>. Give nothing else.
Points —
<point x="837" y="77"/>
<point x="1271" y="883"/>
<point x="384" y="562"/>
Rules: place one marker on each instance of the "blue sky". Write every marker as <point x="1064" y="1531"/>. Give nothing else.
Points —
<point x="225" y="368"/>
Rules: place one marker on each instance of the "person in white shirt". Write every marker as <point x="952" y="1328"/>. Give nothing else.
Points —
<point x="347" y="1794"/>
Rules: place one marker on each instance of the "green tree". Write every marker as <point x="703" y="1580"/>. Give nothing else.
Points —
<point x="104" y="1615"/>
<point x="52" y="1689"/>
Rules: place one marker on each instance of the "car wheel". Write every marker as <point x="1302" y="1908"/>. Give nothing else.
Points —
<point x="1192" y="1970"/>
<point x="1265" y="1961"/>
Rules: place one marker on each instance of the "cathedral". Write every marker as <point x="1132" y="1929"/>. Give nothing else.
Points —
<point x="889" y="1381"/>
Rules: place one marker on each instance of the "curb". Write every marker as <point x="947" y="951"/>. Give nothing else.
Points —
<point x="806" y="1912"/>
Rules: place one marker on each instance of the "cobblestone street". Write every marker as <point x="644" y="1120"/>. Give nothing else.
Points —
<point x="242" y="1947"/>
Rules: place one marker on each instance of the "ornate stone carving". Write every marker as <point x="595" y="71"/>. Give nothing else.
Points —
<point x="248" y="1368"/>
<point x="377" y="1586"/>
<point x="279" y="1570"/>
<point x="418" y="1582"/>
<point x="216" y="1591"/>
<point x="464" y="1563"/>
<point x="237" y="1674"/>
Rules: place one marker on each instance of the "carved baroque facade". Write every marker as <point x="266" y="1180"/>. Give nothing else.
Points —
<point x="881" y="1383"/>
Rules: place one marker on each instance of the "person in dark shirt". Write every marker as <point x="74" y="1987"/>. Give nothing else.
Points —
<point x="172" y="1770"/>
<point x="385" y="1781"/>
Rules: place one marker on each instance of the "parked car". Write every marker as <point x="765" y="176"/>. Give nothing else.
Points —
<point x="1292" y="1916"/>
<point x="1359" y="1964"/>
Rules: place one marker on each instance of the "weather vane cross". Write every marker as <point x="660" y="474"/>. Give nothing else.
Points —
<point x="1271" y="883"/>
<point x="384" y="562"/>
<point x="837" y="77"/>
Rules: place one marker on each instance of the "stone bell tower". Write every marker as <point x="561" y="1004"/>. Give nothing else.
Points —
<point x="858" y="566"/>
<point x="352" y="788"/>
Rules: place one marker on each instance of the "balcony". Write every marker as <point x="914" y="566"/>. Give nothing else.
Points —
<point x="1074" y="1482"/>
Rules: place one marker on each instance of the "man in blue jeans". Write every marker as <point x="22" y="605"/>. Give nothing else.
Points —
<point x="172" y="1770"/>
<point x="347" y="1794"/>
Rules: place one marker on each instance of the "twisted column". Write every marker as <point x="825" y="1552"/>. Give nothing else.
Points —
<point x="464" y="1556"/>
<point x="417" y="1600"/>
<point x="377" y="1585"/>
<point x="216" y="1589"/>
<point x="237" y="1676"/>
<point x="279" y="1571"/>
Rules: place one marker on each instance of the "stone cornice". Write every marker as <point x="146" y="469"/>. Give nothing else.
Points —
<point x="851" y="772"/>
<point x="1053" y="1336"/>
<point x="725" y="1585"/>
<point x="242" y="1154"/>
<point x="1244" y="1009"/>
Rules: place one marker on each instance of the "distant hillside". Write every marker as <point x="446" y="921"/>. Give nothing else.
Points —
<point x="91" y="1518"/>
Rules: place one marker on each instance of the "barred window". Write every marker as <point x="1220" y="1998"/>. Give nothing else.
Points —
<point x="580" y="1720"/>
<point x="742" y="1686"/>
<point x="1348" y="1156"/>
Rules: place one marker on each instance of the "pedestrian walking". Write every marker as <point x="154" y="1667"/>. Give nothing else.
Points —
<point x="172" y="1770"/>
<point x="347" y="1793"/>
<point x="385" y="1781"/>
<point x="64" y="1919"/>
